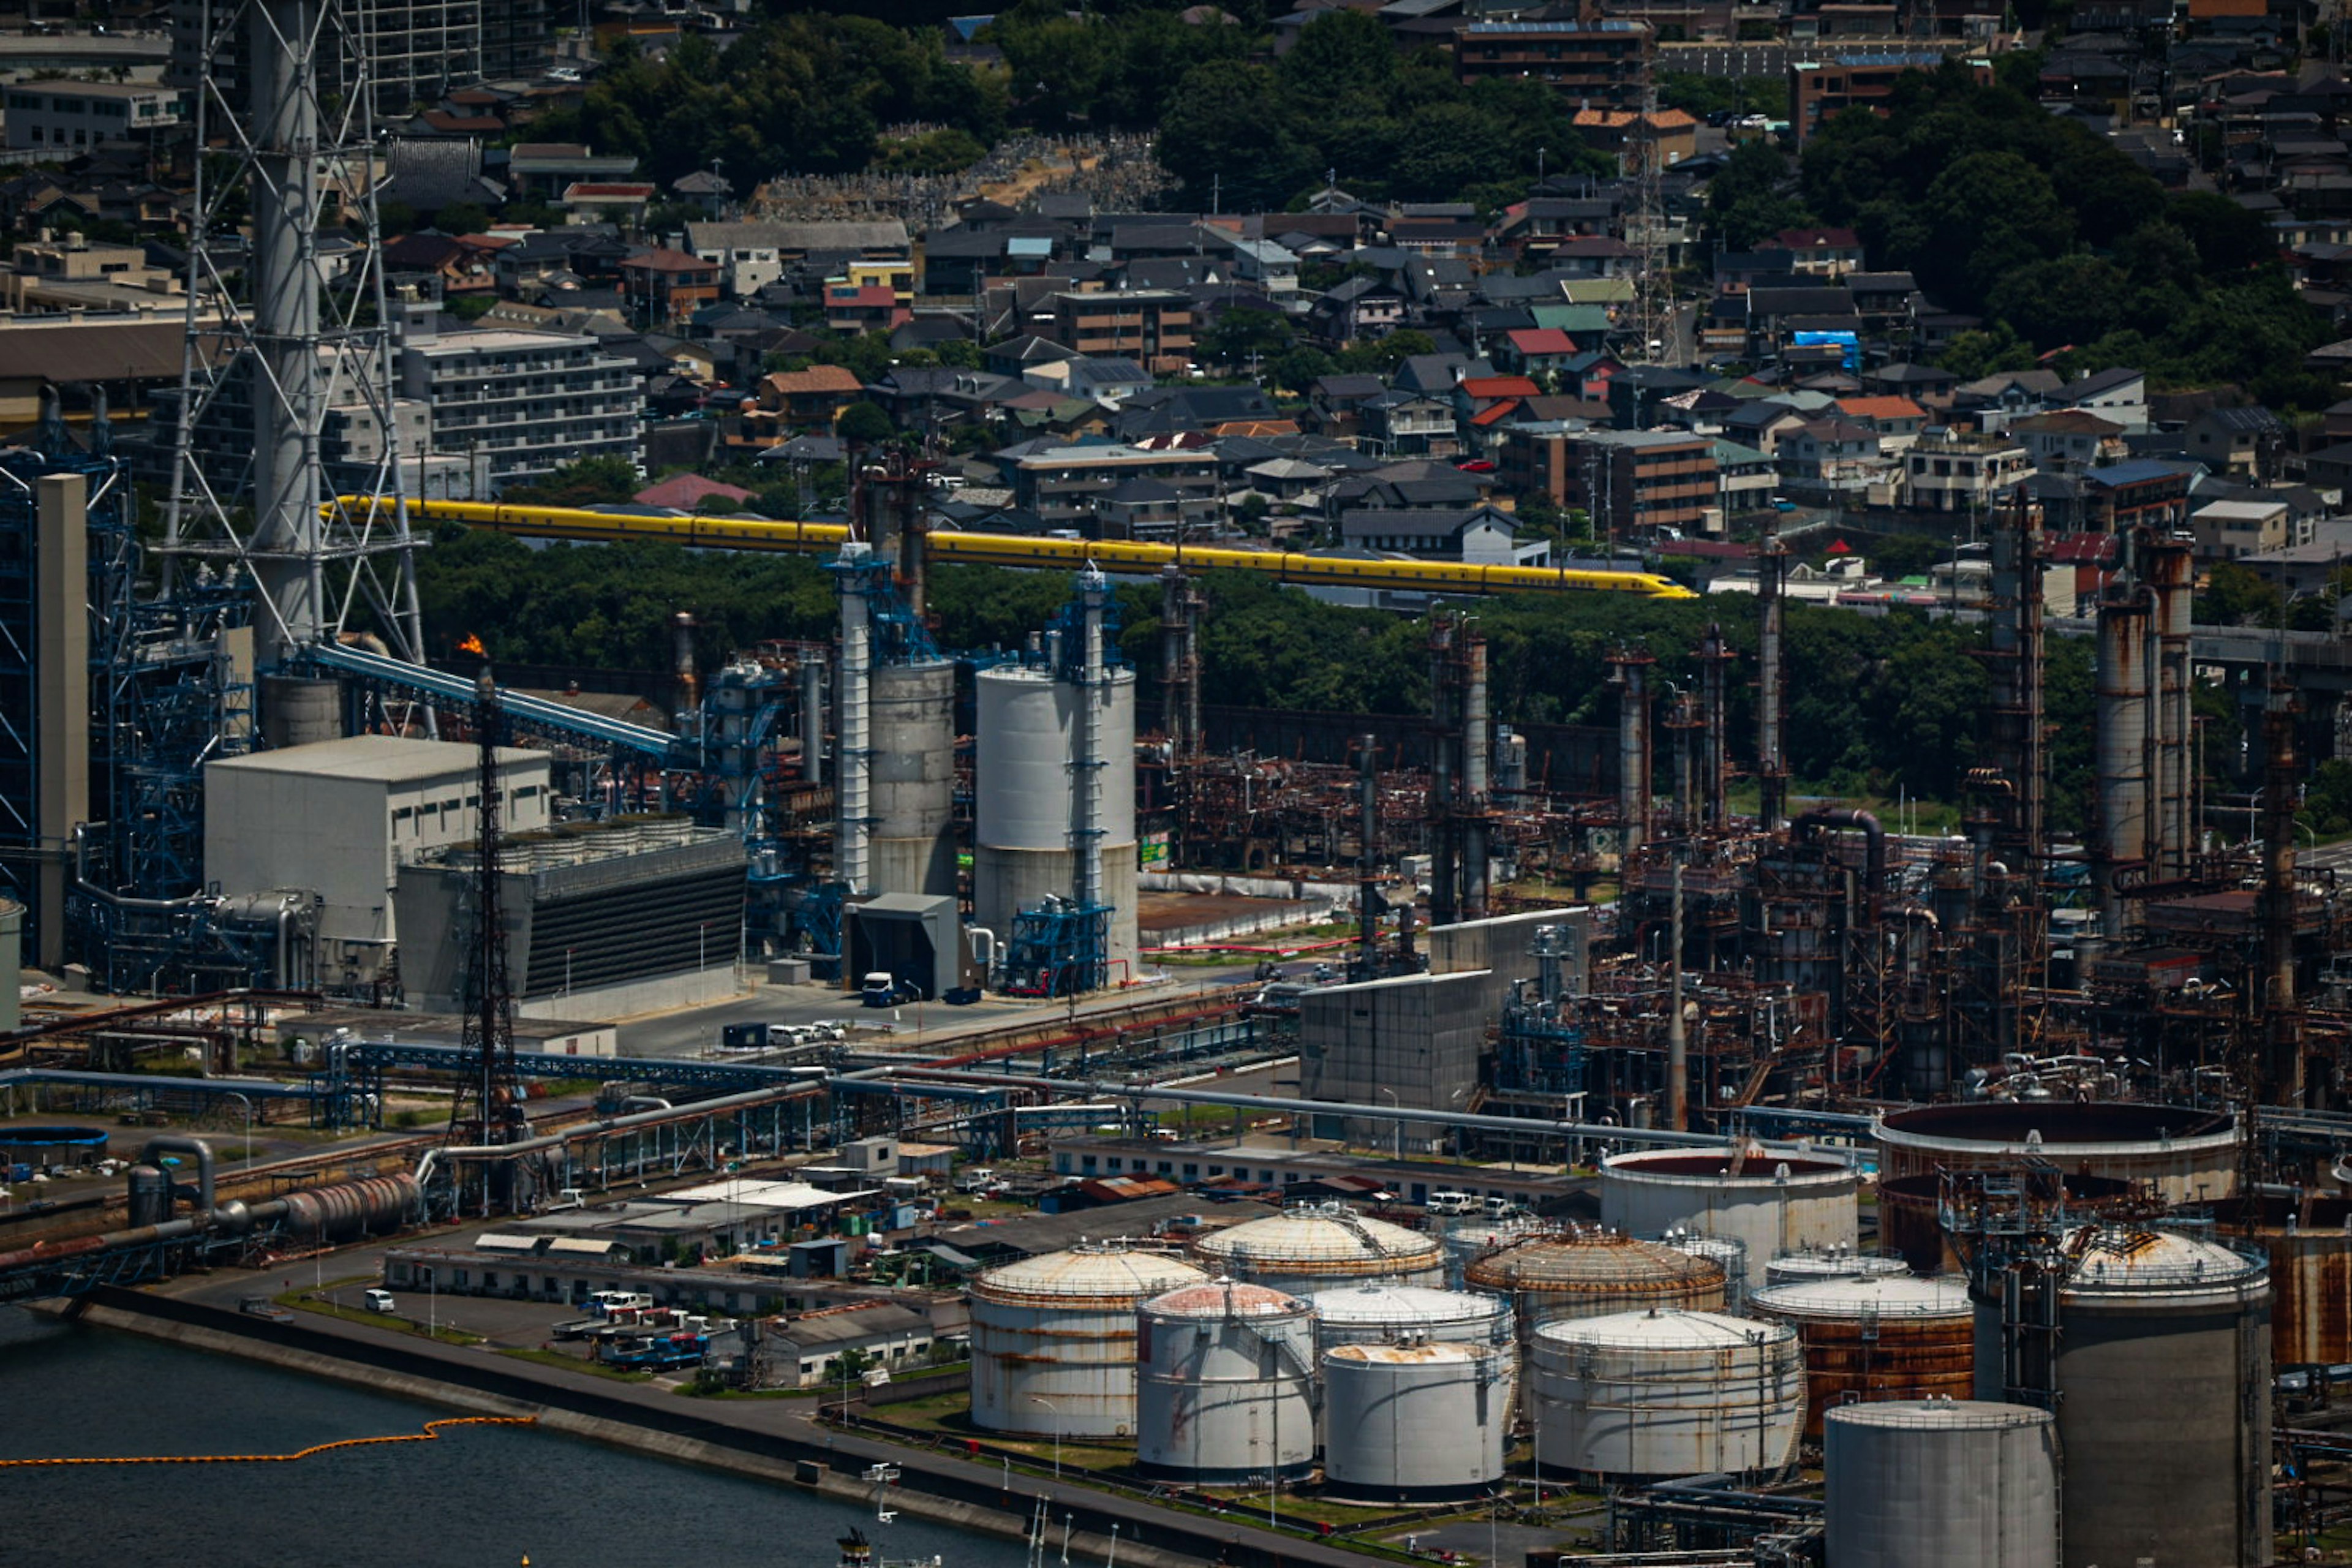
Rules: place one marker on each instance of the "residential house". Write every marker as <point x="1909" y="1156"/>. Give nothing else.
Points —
<point x="542" y="170"/>
<point x="1953" y="470"/>
<point x="854" y="307"/>
<point x="752" y="255"/>
<point x="622" y="202"/>
<point x="1898" y="420"/>
<point x="1356" y="308"/>
<point x="1335" y="403"/>
<point x="1536" y="351"/>
<point x="1479" y="536"/>
<point x="1831" y="458"/>
<point x="668" y="287"/>
<point x="1745" y="478"/>
<point x="1639" y="138"/>
<point x="2248" y="441"/>
<point x="1825" y="252"/>
<point x="2119" y="393"/>
<point x="1110" y="382"/>
<point x="787" y="401"/>
<point x="1400" y="424"/>
<point x="2234" y="529"/>
<point x="2069" y="438"/>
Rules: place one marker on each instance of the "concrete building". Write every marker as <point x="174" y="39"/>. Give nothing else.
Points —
<point x="1630" y="481"/>
<point x="2232" y="530"/>
<point x="339" y="818"/>
<point x="1069" y="487"/>
<point x="752" y="255"/>
<point x="518" y="404"/>
<point x="419" y="50"/>
<point x="1152" y="327"/>
<point x="50" y="115"/>
<point x="1599" y="62"/>
<point x="1949" y="470"/>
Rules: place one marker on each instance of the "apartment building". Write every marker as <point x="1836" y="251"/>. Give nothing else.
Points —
<point x="419" y="50"/>
<point x="53" y="114"/>
<point x="1601" y="63"/>
<point x="1630" y="481"/>
<point x="1949" y="470"/>
<point x="518" y="404"/>
<point x="1152" y="327"/>
<point x="1076" y="489"/>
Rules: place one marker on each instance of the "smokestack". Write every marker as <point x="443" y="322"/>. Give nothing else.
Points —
<point x="853" y="788"/>
<point x="1677" y="1038"/>
<point x="2281" y="1016"/>
<point x="1445" y="861"/>
<point x="2170" y="576"/>
<point x="1715" y="757"/>
<point x="1368" y="925"/>
<point x="1772" y="767"/>
<point x="2121" y="749"/>
<point x="1477" y="755"/>
<point x="812" y="720"/>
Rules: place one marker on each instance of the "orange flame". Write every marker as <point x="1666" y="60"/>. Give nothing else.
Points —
<point x="473" y="644"/>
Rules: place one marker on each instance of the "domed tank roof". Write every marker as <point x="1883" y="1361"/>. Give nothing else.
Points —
<point x="1832" y="1263"/>
<point x="1885" y="1295"/>
<point x="1732" y="1165"/>
<point x="2133" y="1261"/>
<point x="1224" y="1299"/>
<point x="1435" y="1352"/>
<point x="1318" y="1236"/>
<point x="1381" y="1301"/>
<point x="1592" y="1259"/>
<point x="1665" y="1329"/>
<point x="1088" y="1271"/>
<point x="1939" y="1415"/>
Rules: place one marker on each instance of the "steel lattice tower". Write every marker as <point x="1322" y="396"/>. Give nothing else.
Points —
<point x="304" y="346"/>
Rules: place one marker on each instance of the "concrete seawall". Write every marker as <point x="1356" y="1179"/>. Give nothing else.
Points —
<point x="700" y="1433"/>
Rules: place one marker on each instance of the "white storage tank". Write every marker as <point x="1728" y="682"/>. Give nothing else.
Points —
<point x="1770" y="1201"/>
<point x="1417" y="1421"/>
<point x="1315" y="1247"/>
<point x="1831" y="1263"/>
<point x="1382" y="1312"/>
<point x="1052" y="1339"/>
<point x="1667" y="1393"/>
<point x="1941" y="1483"/>
<point x="1023" y="825"/>
<point x="1584" y="1272"/>
<point x="1225" y="1383"/>
<point x="1725" y="1252"/>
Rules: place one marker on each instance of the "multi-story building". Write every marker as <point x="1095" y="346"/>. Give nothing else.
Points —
<point x="53" y="114"/>
<point x="1073" y="488"/>
<point x="665" y="288"/>
<point x="419" y="50"/>
<point x="1152" y="326"/>
<point x="1603" y="63"/>
<point x="517" y="403"/>
<point x="1820" y="88"/>
<point x="1628" y="480"/>
<point x="1951" y="470"/>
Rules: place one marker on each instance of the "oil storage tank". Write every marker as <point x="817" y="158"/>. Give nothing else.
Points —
<point x="1052" y="1339"/>
<point x="1225" y="1383"/>
<point x="1941" y="1483"/>
<point x="1667" y="1393"/>
<point x="1583" y="1272"/>
<point x="2308" y="1240"/>
<point x="1315" y="1247"/>
<point x="1380" y="1313"/>
<point x="1465" y="1240"/>
<point x="2186" y="1156"/>
<point x="2154" y="1347"/>
<point x="1730" y="1254"/>
<point x="1414" y="1421"/>
<point x="911" y="779"/>
<point x="1890" y="1337"/>
<point x="1023" y="805"/>
<point x="1831" y="1263"/>
<point x="1770" y="1201"/>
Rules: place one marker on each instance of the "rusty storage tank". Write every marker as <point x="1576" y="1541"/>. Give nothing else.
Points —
<point x="1667" y="1393"/>
<point x="1767" y="1201"/>
<point x="1910" y="1222"/>
<point x="1225" y="1383"/>
<point x="1582" y="1271"/>
<point x="1831" y="1263"/>
<point x="1941" y="1483"/>
<point x="1315" y="1247"/>
<point x="1414" y="1421"/>
<point x="2186" y="1156"/>
<point x="2309" y="1243"/>
<point x="2155" y="1347"/>
<point x="1052" y="1339"/>
<point x="1891" y="1337"/>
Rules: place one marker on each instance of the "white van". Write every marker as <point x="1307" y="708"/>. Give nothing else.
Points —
<point x="378" y="1301"/>
<point x="1445" y="1202"/>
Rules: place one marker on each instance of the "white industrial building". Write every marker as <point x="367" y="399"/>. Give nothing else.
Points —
<point x="339" y="818"/>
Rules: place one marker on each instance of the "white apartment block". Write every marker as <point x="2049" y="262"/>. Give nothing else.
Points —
<point x="52" y="114"/>
<point x="514" y="404"/>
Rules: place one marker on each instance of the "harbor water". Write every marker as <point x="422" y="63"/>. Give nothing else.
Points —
<point x="479" y="1497"/>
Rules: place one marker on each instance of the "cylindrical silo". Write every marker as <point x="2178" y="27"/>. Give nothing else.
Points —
<point x="1892" y="1337"/>
<point x="2155" y="1347"/>
<point x="1382" y="1312"/>
<point x="910" y="846"/>
<point x="2309" y="1242"/>
<point x="1939" y="1483"/>
<point x="1315" y="1247"/>
<point x="1667" y="1393"/>
<point x="1589" y="1273"/>
<point x="1413" y="1421"/>
<point x="1023" y="808"/>
<point x="2187" y="1156"/>
<point x="1770" y="1202"/>
<point x="1225" y="1383"/>
<point x="1052" y="1339"/>
<point x="1831" y="1263"/>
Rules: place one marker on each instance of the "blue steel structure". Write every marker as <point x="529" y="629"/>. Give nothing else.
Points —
<point x="352" y="1086"/>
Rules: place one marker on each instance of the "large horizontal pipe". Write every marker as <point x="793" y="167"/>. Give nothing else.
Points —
<point x="1119" y="557"/>
<point x="45" y="1253"/>
<point x="1400" y="1114"/>
<point x="623" y="1123"/>
<point x="223" y="1086"/>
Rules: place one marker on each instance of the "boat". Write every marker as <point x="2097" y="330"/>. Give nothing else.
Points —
<point x="856" y="1551"/>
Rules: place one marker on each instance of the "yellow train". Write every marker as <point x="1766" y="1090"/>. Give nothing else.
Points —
<point x="1119" y="557"/>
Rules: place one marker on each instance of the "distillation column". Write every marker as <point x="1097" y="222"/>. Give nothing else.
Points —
<point x="2121" y="749"/>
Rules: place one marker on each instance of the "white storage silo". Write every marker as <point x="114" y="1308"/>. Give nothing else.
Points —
<point x="1023" y="808"/>
<point x="1052" y="1339"/>
<point x="1667" y="1393"/>
<point x="1770" y="1202"/>
<point x="1941" y="1483"/>
<point x="1419" y="1421"/>
<point x="1225" y="1383"/>
<point x="1383" y="1313"/>
<point x="1315" y="1247"/>
<point x="1726" y="1252"/>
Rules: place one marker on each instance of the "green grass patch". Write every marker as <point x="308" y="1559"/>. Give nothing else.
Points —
<point x="701" y="1391"/>
<point x="575" y="1364"/>
<point x="390" y="1322"/>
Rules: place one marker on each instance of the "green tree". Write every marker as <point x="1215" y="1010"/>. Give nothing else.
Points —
<point x="585" y="482"/>
<point x="864" y="424"/>
<point x="1226" y="132"/>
